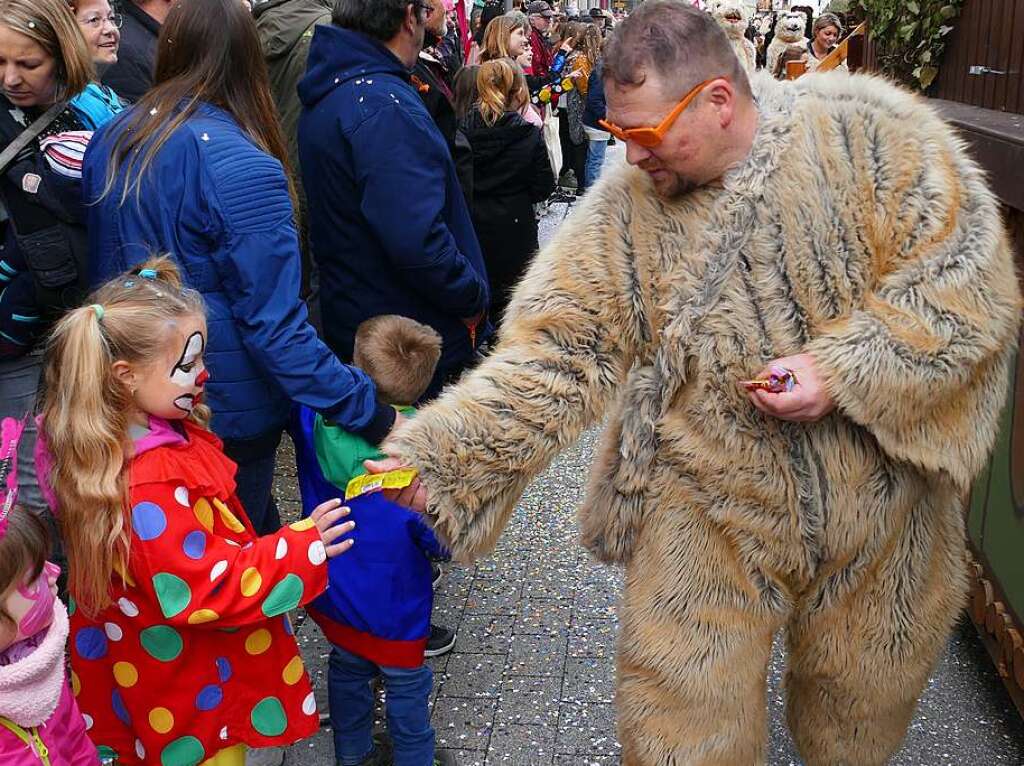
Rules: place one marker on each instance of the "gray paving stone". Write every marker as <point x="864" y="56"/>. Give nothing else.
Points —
<point x="518" y="745"/>
<point x="494" y="597"/>
<point x="485" y="634"/>
<point x="537" y="655"/>
<point x="463" y="723"/>
<point x="587" y="728"/>
<point x="544" y="616"/>
<point x="529" y="700"/>
<point x="589" y="679"/>
<point x="473" y="675"/>
<point x="592" y="638"/>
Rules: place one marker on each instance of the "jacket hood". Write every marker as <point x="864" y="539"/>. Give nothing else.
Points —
<point x="282" y="23"/>
<point x="337" y="55"/>
<point x="490" y="141"/>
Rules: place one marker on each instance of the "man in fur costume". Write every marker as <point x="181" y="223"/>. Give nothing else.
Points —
<point x="833" y="226"/>
<point x="733" y="18"/>
<point x="789" y="30"/>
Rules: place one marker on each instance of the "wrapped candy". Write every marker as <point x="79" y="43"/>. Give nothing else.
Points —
<point x="780" y="380"/>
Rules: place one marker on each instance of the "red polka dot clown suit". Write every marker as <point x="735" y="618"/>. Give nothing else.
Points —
<point x="196" y="653"/>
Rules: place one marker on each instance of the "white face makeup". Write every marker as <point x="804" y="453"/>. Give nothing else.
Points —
<point x="171" y="385"/>
<point x="30" y="605"/>
<point x="188" y="371"/>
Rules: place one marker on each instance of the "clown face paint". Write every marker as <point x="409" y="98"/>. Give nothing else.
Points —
<point x="171" y="386"/>
<point x="30" y="605"/>
<point x="189" y="372"/>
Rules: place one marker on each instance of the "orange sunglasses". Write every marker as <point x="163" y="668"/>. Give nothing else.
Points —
<point x="650" y="137"/>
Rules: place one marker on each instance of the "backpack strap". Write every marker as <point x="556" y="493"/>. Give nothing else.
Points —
<point x="30" y="133"/>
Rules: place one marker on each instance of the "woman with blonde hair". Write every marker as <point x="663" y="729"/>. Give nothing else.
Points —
<point x="506" y="37"/>
<point x="44" y="62"/>
<point x="511" y="173"/>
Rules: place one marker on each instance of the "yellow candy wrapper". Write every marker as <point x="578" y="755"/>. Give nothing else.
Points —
<point x="371" y="482"/>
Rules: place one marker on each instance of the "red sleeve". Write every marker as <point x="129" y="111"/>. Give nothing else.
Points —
<point x="202" y="565"/>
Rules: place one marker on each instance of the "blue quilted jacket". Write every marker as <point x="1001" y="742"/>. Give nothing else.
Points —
<point x="220" y="206"/>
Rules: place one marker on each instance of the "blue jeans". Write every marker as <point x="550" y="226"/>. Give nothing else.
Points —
<point x="407" y="706"/>
<point x="595" y="159"/>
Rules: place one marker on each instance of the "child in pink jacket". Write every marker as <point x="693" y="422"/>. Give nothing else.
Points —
<point x="39" y="720"/>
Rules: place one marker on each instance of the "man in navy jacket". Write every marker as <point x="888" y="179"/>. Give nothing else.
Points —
<point x="389" y="226"/>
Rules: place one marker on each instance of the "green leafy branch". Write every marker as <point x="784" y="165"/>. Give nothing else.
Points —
<point x="910" y="36"/>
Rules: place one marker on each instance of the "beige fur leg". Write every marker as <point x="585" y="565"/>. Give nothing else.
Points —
<point x="693" y="651"/>
<point x="860" y="659"/>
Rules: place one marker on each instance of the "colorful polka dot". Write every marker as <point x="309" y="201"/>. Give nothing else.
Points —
<point x="127" y="607"/>
<point x="293" y="671"/>
<point x="184" y="751"/>
<point x="140" y="749"/>
<point x="181" y="496"/>
<point x="218" y="569"/>
<point x="72" y="606"/>
<point x="125" y="674"/>
<point x="317" y="553"/>
<point x="148" y="521"/>
<point x="286" y="595"/>
<point x="204" y="513"/>
<point x="223" y="732"/>
<point x="76" y="683"/>
<point x="105" y="751"/>
<point x="209" y="697"/>
<point x="172" y="592"/>
<point x="161" y="642"/>
<point x="229" y="519"/>
<point x="117" y="702"/>
<point x="87" y="719"/>
<point x="113" y="631"/>
<point x="309" y="704"/>
<point x="287" y="625"/>
<point x="282" y="549"/>
<point x="268" y="717"/>
<point x="161" y="720"/>
<point x="251" y="582"/>
<point x="202" y="616"/>
<point x="91" y="644"/>
<point x="223" y="669"/>
<point x="194" y="545"/>
<point x="258" y="641"/>
<point x="302" y="525"/>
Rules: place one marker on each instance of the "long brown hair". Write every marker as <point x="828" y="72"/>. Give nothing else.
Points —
<point x="209" y="51"/>
<point x="497" y="36"/>
<point x="24" y="549"/>
<point x="496" y="88"/>
<point x="86" y="410"/>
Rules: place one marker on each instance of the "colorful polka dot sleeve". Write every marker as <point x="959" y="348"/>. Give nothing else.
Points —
<point x="197" y="653"/>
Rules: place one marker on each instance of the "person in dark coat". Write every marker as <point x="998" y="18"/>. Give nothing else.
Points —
<point x="132" y="75"/>
<point x="216" y="198"/>
<point x="511" y="172"/>
<point x="390" y="228"/>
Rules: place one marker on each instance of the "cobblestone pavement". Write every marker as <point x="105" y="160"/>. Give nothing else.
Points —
<point x="531" y="679"/>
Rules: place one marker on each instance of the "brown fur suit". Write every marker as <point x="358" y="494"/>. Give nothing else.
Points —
<point x="857" y="231"/>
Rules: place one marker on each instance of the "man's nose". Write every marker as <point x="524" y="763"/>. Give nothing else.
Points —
<point x="635" y="154"/>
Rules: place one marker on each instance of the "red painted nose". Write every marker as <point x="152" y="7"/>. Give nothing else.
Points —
<point x="202" y="377"/>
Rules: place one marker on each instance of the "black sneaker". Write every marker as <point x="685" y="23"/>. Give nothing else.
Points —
<point x="435" y="574"/>
<point x="382" y="754"/>
<point x="444" y="758"/>
<point x="440" y="642"/>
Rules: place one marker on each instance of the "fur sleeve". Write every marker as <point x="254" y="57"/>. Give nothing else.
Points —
<point x="571" y="332"/>
<point x="923" y="363"/>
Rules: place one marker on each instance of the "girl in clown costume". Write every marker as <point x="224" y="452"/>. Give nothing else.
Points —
<point x="181" y="648"/>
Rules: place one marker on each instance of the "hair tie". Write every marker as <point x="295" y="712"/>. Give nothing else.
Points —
<point x="99" y="311"/>
<point x="148" y="274"/>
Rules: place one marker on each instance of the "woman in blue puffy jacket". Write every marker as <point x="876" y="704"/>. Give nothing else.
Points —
<point x="197" y="169"/>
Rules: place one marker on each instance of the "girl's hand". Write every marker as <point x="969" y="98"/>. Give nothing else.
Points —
<point x="325" y="516"/>
<point x="567" y="45"/>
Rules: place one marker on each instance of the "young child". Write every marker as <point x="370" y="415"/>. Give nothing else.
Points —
<point x="39" y="720"/>
<point x="377" y="614"/>
<point x="180" y="641"/>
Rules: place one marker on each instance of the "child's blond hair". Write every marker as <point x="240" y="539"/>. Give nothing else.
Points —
<point x="86" y="410"/>
<point x="400" y="356"/>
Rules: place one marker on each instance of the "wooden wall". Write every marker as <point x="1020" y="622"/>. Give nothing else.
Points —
<point x="988" y="33"/>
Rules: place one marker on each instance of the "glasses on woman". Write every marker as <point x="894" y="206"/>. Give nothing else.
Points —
<point x="651" y="137"/>
<point x="96" y="21"/>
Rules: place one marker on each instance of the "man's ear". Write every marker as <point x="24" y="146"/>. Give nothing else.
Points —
<point x="124" y="372"/>
<point x="723" y="100"/>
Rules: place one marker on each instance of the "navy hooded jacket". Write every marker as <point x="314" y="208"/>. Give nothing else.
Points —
<point x="220" y="206"/>
<point x="389" y="226"/>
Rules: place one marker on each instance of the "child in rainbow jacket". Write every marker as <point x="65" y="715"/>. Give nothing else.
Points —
<point x="376" y="610"/>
